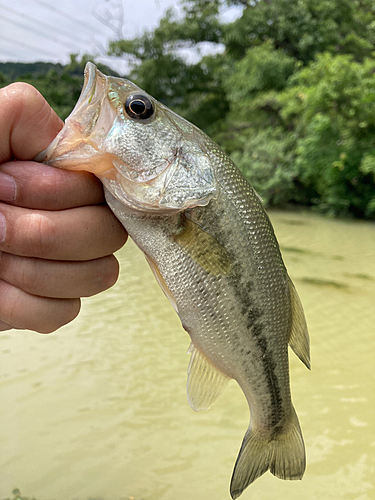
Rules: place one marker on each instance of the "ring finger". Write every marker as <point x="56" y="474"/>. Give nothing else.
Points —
<point x="59" y="279"/>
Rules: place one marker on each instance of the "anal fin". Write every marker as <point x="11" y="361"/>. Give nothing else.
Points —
<point x="205" y="382"/>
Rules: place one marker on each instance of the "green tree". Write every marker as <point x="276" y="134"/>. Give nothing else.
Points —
<point x="261" y="69"/>
<point x="331" y="105"/>
<point x="304" y="28"/>
<point x="157" y="65"/>
<point x="4" y="80"/>
<point x="267" y="158"/>
<point x="308" y="149"/>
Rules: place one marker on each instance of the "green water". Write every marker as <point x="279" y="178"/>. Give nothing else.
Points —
<point x="98" y="410"/>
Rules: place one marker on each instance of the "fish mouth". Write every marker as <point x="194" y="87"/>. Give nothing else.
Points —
<point x="71" y="135"/>
<point x="75" y="148"/>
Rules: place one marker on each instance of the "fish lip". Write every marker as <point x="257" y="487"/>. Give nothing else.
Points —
<point x="91" y="75"/>
<point x="89" y="80"/>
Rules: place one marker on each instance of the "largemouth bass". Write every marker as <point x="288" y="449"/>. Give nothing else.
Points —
<point x="213" y="251"/>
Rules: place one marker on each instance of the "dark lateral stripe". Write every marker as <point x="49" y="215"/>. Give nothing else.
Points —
<point x="255" y="327"/>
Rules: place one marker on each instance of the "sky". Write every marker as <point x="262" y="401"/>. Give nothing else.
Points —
<point x="50" y="30"/>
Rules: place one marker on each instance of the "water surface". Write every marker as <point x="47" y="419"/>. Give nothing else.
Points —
<point x="98" y="409"/>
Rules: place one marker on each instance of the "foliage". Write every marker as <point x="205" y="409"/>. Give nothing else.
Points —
<point x="290" y="96"/>
<point x="14" y="70"/>
<point x="304" y="28"/>
<point x="157" y="64"/>
<point x="262" y="68"/>
<point x="267" y="158"/>
<point x="332" y="105"/>
<point x="4" y="80"/>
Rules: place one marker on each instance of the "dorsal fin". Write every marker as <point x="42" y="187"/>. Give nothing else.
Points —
<point x="299" y="336"/>
<point x="205" y="382"/>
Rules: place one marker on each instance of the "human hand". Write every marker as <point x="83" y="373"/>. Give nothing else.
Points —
<point x="59" y="236"/>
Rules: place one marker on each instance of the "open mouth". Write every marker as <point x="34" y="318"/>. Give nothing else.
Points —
<point x="73" y="142"/>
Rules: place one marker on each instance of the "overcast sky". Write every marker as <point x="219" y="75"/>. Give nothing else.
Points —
<point x="50" y="30"/>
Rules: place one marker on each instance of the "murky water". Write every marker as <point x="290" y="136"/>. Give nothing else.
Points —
<point x="98" y="410"/>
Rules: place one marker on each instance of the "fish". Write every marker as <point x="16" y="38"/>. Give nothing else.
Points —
<point x="213" y="251"/>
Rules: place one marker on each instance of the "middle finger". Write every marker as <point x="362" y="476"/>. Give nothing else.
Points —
<point x="40" y="186"/>
<point x="83" y="233"/>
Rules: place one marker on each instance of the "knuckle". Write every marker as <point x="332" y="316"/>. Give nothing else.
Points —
<point x="29" y="278"/>
<point x="41" y="235"/>
<point x="22" y="272"/>
<point x="11" y="304"/>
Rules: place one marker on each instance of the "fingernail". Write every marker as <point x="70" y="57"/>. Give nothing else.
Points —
<point x="8" y="188"/>
<point x="3" y="228"/>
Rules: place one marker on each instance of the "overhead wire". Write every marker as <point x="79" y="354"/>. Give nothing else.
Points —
<point x="68" y="16"/>
<point x="51" y="38"/>
<point x="28" y="46"/>
<point x="36" y="33"/>
<point x="71" y="36"/>
<point x="5" y="53"/>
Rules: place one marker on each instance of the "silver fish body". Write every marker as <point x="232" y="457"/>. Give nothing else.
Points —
<point x="213" y="251"/>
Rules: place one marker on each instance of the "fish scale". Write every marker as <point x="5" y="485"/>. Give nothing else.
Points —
<point x="213" y="251"/>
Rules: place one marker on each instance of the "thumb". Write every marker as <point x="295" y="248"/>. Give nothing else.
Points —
<point x="27" y="123"/>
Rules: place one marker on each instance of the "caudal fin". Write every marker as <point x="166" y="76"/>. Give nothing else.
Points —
<point x="283" y="455"/>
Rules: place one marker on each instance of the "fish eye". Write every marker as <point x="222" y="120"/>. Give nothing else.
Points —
<point x="139" y="107"/>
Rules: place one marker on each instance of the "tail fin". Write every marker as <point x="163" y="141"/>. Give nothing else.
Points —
<point x="283" y="454"/>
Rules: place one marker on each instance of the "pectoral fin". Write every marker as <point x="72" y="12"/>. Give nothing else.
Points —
<point x="159" y="278"/>
<point x="205" y="382"/>
<point x="203" y="248"/>
<point x="299" y="335"/>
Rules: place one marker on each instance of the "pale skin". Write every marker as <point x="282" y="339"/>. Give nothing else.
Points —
<point x="59" y="235"/>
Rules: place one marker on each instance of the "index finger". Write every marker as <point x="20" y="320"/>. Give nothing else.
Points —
<point x="39" y="186"/>
<point x="27" y="122"/>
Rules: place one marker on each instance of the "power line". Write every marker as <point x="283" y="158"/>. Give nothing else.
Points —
<point x="28" y="46"/>
<point x="45" y="26"/>
<point x="5" y="53"/>
<point x="40" y="34"/>
<point x="68" y="16"/>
